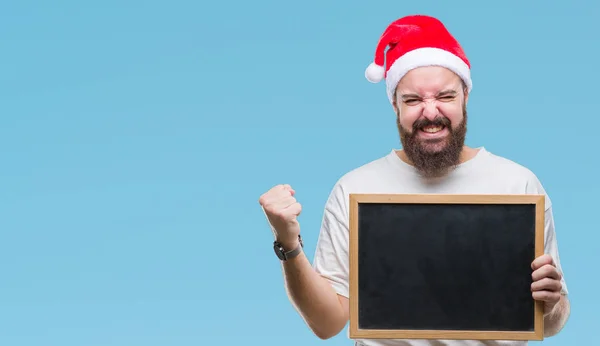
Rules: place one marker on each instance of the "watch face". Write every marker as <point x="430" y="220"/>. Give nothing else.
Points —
<point x="279" y="251"/>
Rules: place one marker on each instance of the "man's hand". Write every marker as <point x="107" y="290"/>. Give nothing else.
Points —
<point x="282" y="211"/>
<point x="546" y="284"/>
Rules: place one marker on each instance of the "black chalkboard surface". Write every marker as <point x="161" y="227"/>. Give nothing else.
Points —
<point x="445" y="266"/>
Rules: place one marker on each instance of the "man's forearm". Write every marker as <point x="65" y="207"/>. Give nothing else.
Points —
<point x="314" y="298"/>
<point x="555" y="320"/>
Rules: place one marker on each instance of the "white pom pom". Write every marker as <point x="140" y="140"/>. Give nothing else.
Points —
<point x="374" y="73"/>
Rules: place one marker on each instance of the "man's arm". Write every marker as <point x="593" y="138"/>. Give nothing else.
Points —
<point x="324" y="311"/>
<point x="322" y="306"/>
<point x="556" y="319"/>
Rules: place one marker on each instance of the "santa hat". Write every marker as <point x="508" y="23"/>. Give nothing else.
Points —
<point x="416" y="41"/>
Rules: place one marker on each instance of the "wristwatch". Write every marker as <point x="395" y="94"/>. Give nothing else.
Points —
<point x="285" y="255"/>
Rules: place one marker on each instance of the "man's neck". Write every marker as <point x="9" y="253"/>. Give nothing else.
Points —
<point x="468" y="153"/>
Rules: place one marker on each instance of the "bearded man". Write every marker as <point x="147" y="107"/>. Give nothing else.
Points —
<point x="428" y="83"/>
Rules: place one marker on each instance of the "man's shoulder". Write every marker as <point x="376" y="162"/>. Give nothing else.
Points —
<point x="508" y="172"/>
<point x="371" y="176"/>
<point x="375" y="170"/>
<point x="508" y="168"/>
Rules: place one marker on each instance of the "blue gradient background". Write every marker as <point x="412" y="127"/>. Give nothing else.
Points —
<point x="136" y="138"/>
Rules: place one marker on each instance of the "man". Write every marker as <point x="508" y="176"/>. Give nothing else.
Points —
<point x="428" y="83"/>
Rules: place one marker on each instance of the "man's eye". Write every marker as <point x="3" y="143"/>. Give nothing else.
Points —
<point x="447" y="98"/>
<point x="411" y="102"/>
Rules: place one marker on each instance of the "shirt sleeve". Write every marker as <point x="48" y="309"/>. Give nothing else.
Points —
<point x="551" y="246"/>
<point x="534" y="186"/>
<point x="331" y="258"/>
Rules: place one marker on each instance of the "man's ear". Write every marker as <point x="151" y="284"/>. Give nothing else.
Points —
<point x="395" y="106"/>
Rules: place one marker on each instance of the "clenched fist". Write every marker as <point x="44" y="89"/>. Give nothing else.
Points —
<point x="282" y="211"/>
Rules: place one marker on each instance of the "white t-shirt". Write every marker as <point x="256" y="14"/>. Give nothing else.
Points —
<point x="486" y="173"/>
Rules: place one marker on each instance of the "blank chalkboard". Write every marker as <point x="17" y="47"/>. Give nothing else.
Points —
<point x="445" y="266"/>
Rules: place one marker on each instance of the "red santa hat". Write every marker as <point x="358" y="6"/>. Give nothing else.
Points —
<point x="416" y="41"/>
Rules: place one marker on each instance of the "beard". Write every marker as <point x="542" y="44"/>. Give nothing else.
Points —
<point x="434" y="157"/>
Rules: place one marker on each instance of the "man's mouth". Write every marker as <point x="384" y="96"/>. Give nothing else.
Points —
<point x="432" y="128"/>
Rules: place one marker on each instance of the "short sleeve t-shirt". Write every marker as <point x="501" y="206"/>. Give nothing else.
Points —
<point x="485" y="173"/>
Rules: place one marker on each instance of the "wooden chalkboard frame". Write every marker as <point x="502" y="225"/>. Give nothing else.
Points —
<point x="357" y="199"/>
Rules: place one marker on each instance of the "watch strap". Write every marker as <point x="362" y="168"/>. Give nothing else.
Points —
<point x="286" y="255"/>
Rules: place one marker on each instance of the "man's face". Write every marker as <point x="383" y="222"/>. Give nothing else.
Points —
<point x="430" y="104"/>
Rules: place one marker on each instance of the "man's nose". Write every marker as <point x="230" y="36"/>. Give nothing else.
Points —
<point x="430" y="110"/>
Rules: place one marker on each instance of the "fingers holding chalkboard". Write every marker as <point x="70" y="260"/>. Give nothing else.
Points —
<point x="546" y="284"/>
<point x="544" y="267"/>
<point x="282" y="210"/>
<point x="541" y="261"/>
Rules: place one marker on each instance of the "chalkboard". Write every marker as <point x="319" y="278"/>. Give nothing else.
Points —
<point x="445" y="266"/>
